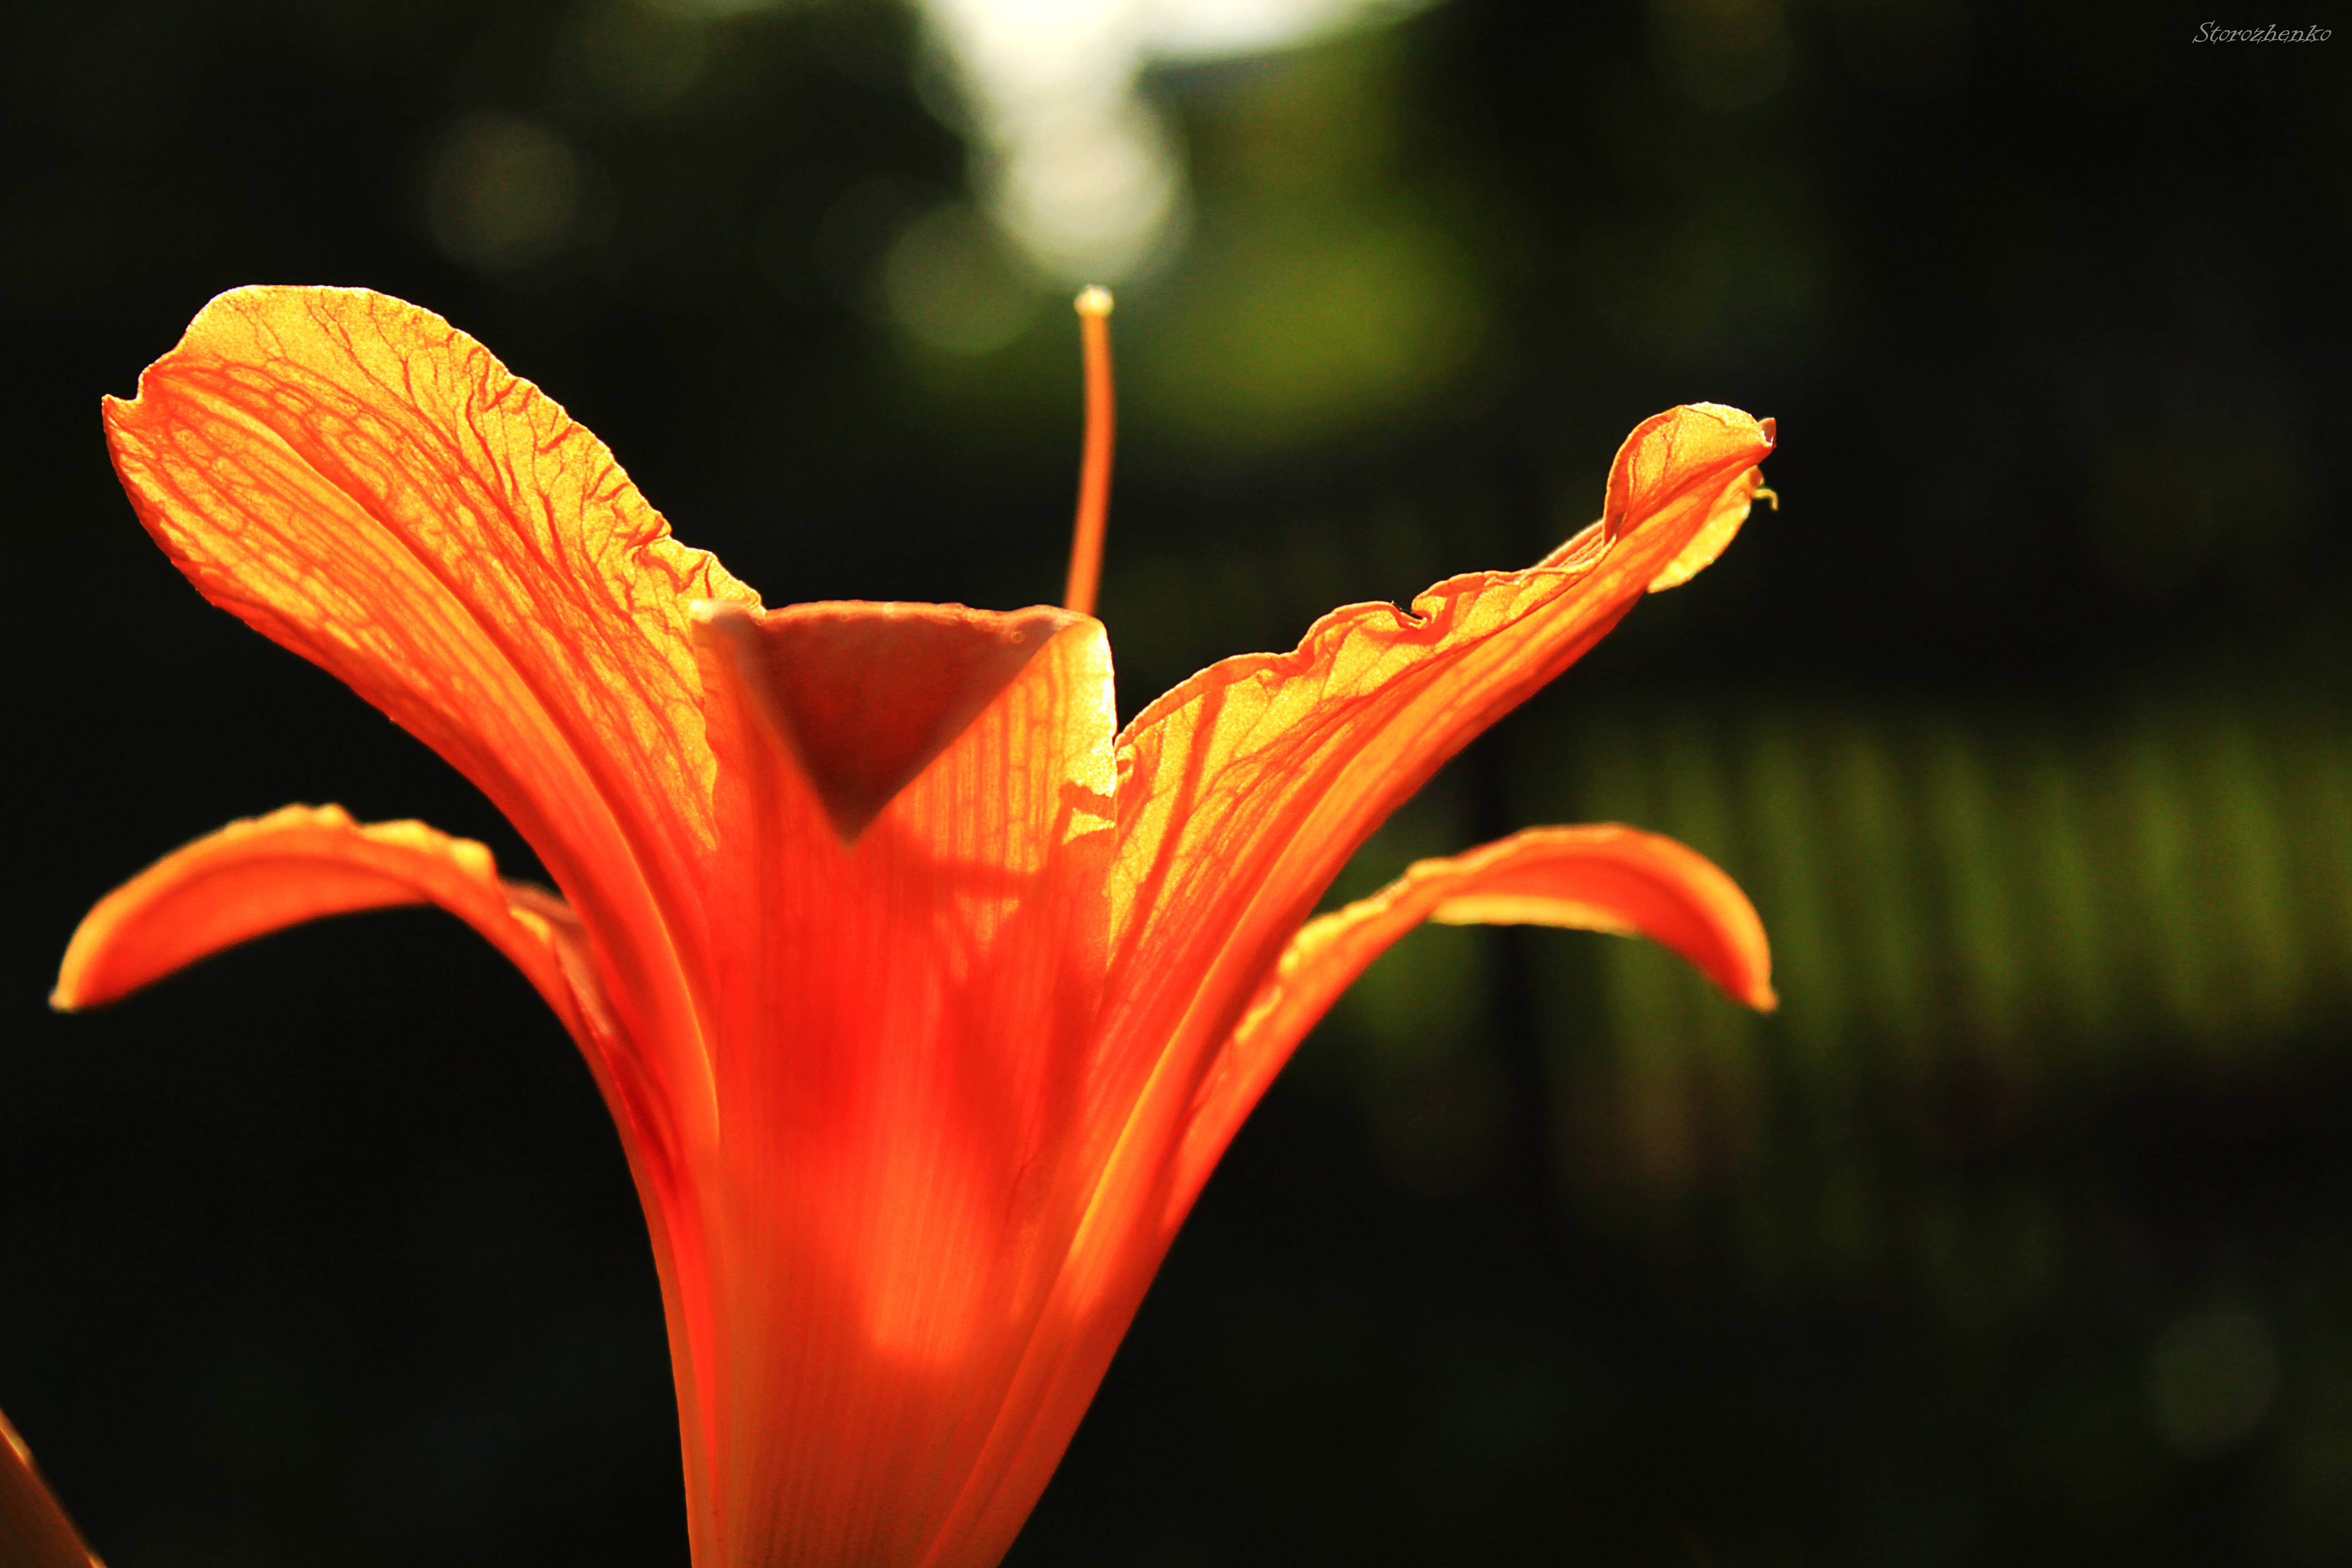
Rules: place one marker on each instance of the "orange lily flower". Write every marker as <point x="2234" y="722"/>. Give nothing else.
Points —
<point x="924" y="997"/>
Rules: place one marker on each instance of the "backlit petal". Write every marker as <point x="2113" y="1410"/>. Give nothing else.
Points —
<point x="1603" y="878"/>
<point x="1243" y="791"/>
<point x="34" y="1530"/>
<point x="903" y="1059"/>
<point x="369" y="487"/>
<point x="865" y="696"/>
<point x="923" y="1000"/>
<point x="1715" y="534"/>
<point x="299" y="864"/>
<point x="1240" y="794"/>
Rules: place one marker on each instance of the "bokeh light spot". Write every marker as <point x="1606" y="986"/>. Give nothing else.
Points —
<point x="1077" y="162"/>
<point x="502" y="193"/>
<point x="948" y="282"/>
<point x="643" y="60"/>
<point x="2212" y="1378"/>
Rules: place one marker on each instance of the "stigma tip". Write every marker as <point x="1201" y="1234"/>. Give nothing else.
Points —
<point x="1094" y="300"/>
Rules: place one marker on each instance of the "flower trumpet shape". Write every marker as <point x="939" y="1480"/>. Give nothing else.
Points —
<point x="925" y="998"/>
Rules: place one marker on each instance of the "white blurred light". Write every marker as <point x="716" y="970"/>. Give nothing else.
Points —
<point x="1076" y="164"/>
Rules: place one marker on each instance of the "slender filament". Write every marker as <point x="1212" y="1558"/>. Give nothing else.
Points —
<point x="1094" y="468"/>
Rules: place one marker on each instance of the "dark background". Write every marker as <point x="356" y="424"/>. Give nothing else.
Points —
<point x="2023" y="1234"/>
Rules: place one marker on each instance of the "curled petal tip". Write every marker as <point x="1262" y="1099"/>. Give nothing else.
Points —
<point x="1724" y="519"/>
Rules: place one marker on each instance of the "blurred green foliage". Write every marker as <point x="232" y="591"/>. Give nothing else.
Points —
<point x="2022" y="1232"/>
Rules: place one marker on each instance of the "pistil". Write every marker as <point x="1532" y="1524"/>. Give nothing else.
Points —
<point x="1094" y="470"/>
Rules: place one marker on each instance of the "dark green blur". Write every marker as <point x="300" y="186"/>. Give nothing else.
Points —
<point x="2023" y="1232"/>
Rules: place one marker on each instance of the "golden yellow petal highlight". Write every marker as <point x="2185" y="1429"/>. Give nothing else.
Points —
<point x="34" y="1530"/>
<point x="297" y="864"/>
<point x="1721" y="527"/>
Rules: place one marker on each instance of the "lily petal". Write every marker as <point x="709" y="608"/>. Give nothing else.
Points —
<point x="300" y="863"/>
<point x="1240" y="794"/>
<point x="369" y="487"/>
<point x="1721" y="528"/>
<point x="34" y="1530"/>
<point x="1603" y="878"/>
<point x="1244" y="789"/>
<point x="865" y="696"/>
<point x="906" y="1024"/>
